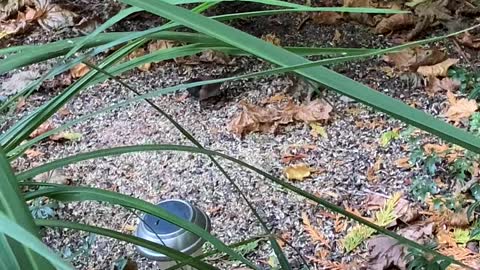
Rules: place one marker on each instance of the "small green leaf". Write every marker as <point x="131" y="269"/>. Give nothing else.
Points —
<point x="389" y="136"/>
<point x="461" y="236"/>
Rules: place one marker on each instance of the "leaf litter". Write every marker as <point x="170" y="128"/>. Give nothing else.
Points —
<point x="268" y="119"/>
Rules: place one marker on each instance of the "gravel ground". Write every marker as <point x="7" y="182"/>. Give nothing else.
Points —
<point x="343" y="158"/>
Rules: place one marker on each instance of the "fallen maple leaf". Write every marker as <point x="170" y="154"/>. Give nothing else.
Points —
<point x="297" y="172"/>
<point x="326" y="18"/>
<point x="79" y="70"/>
<point x="314" y="234"/>
<point x="460" y="109"/>
<point x="437" y="70"/>
<point x="395" y="22"/>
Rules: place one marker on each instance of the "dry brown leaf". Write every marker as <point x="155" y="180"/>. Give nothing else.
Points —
<point x="445" y="238"/>
<point x="413" y="58"/>
<point x="436" y="85"/>
<point x="297" y="172"/>
<point x="137" y="53"/>
<point x="395" y="22"/>
<point x="404" y="210"/>
<point x="363" y="18"/>
<point x="160" y="45"/>
<point x="330" y="265"/>
<point x="8" y="7"/>
<point x="31" y="153"/>
<point x="340" y="224"/>
<point x="373" y="170"/>
<point x="437" y="70"/>
<point x="460" y="109"/>
<point x="272" y="38"/>
<point x="403" y="163"/>
<point x="21" y="23"/>
<point x="211" y="56"/>
<point x="64" y="111"/>
<point x="337" y="37"/>
<point x="314" y="234"/>
<point x="290" y="157"/>
<point x="276" y="99"/>
<point x="314" y="111"/>
<point x="54" y="17"/>
<point x="386" y="252"/>
<point x="79" y="70"/>
<point x="47" y="126"/>
<point x="457" y="219"/>
<point x="56" y="177"/>
<point x="439" y="149"/>
<point x="267" y="119"/>
<point x="326" y="18"/>
<point x="434" y="9"/>
<point x="468" y="40"/>
<point x="21" y="103"/>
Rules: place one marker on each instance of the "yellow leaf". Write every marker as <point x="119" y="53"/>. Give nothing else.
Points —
<point x="318" y="130"/>
<point x="437" y="70"/>
<point x="297" y="172"/>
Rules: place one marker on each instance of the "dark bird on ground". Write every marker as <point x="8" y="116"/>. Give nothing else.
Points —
<point x="204" y="92"/>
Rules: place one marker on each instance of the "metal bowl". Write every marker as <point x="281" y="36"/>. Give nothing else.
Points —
<point x="165" y="233"/>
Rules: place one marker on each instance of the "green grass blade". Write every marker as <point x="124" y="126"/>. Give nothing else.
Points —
<point x="8" y="259"/>
<point x="20" y="149"/>
<point x="14" y="208"/>
<point x="70" y="193"/>
<point x="276" y="247"/>
<point x="24" y="127"/>
<point x="180" y="148"/>
<point x="113" y="20"/>
<point x="171" y="253"/>
<point x="17" y="232"/>
<point x="319" y="74"/>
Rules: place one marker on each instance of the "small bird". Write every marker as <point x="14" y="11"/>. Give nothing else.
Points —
<point x="204" y="92"/>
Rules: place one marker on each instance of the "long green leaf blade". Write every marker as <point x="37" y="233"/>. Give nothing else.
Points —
<point x="30" y="241"/>
<point x="322" y="75"/>
<point x="180" y="148"/>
